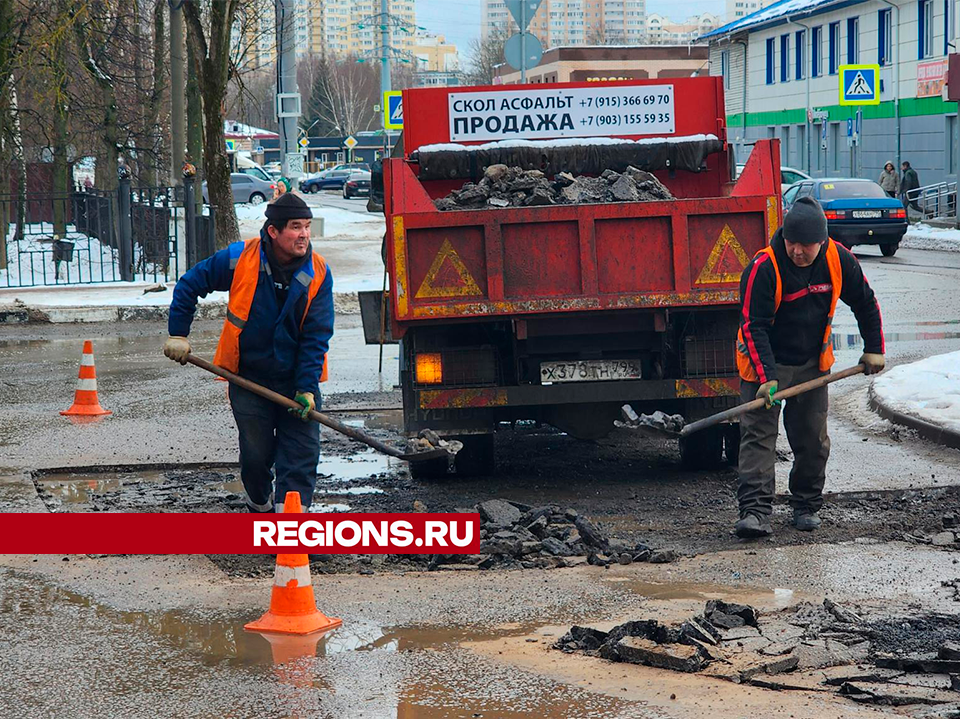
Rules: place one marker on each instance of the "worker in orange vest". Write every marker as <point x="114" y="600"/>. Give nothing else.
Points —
<point x="788" y="296"/>
<point x="277" y="331"/>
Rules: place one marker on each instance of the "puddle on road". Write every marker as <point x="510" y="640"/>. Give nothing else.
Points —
<point x="359" y="669"/>
<point x="192" y="489"/>
<point x="358" y="466"/>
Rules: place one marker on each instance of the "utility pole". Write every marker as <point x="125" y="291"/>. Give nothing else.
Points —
<point x="288" y="95"/>
<point x="178" y="121"/>
<point x="384" y="48"/>
<point x="523" y="43"/>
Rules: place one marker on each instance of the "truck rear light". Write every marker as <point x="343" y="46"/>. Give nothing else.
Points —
<point x="835" y="214"/>
<point x="900" y="214"/>
<point x="429" y="368"/>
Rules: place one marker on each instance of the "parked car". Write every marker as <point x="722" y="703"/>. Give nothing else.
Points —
<point x="357" y="184"/>
<point x="788" y="176"/>
<point x="328" y="179"/>
<point x="246" y="189"/>
<point x="858" y="211"/>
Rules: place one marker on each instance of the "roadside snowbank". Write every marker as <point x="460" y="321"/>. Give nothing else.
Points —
<point x="928" y="389"/>
<point x="925" y="237"/>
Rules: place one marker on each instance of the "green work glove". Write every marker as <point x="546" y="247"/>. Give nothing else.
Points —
<point x="766" y="393"/>
<point x="305" y="399"/>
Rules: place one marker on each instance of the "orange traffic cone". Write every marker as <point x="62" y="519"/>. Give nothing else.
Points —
<point x="293" y="608"/>
<point x="85" y="400"/>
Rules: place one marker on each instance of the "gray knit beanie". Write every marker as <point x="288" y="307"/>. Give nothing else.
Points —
<point x="805" y="222"/>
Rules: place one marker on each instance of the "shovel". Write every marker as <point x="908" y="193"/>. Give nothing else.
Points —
<point x="746" y="407"/>
<point x="448" y="451"/>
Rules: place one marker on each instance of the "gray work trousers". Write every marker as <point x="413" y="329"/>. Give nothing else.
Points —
<point x="805" y="419"/>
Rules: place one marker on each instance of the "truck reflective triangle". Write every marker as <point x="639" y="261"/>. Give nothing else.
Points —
<point x="448" y="276"/>
<point x="727" y="260"/>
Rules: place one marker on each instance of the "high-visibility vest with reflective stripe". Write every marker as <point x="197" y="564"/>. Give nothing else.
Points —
<point x="246" y="262"/>
<point x="747" y="371"/>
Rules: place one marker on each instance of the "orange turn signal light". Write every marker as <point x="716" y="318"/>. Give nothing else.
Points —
<point x="429" y="368"/>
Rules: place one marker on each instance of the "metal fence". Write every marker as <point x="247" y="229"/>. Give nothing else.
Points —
<point x="934" y="201"/>
<point x="92" y="236"/>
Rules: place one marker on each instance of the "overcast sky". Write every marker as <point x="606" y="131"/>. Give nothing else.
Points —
<point x="459" y="20"/>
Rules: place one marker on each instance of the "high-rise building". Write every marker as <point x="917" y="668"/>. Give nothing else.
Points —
<point x="575" y="22"/>
<point x="663" y="31"/>
<point x="741" y="8"/>
<point x="435" y="54"/>
<point x="352" y="27"/>
<point x="254" y="32"/>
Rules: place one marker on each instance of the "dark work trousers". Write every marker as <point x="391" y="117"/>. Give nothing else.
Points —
<point x="805" y="419"/>
<point x="272" y="437"/>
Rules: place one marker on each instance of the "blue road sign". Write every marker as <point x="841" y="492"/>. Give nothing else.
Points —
<point x="859" y="84"/>
<point x="849" y="127"/>
<point x="393" y="110"/>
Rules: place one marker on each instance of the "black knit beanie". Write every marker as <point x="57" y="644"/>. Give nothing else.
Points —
<point x="288" y="206"/>
<point x="805" y="222"/>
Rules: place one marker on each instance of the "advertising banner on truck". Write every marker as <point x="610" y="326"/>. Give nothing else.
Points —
<point x="561" y="113"/>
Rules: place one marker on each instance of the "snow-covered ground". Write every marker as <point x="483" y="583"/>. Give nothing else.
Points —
<point x="928" y="389"/>
<point x="926" y="237"/>
<point x="337" y="223"/>
<point x="30" y="261"/>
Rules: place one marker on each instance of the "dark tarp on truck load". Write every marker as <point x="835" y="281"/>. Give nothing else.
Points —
<point x="586" y="159"/>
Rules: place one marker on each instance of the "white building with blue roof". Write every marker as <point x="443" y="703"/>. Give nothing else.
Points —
<point x="781" y="79"/>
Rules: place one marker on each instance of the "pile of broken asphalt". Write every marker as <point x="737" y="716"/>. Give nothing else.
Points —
<point x="503" y="186"/>
<point x="512" y="536"/>
<point x="908" y="662"/>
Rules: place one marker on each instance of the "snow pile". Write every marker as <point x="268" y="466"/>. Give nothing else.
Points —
<point x="926" y="237"/>
<point x="120" y="294"/>
<point x="928" y="389"/>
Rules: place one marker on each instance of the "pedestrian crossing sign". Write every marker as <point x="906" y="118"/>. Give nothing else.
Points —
<point x="393" y="110"/>
<point x="859" y="84"/>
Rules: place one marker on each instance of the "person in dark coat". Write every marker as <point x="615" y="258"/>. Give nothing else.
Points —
<point x="909" y="180"/>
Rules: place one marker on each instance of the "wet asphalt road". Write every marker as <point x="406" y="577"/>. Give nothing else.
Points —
<point x="159" y="660"/>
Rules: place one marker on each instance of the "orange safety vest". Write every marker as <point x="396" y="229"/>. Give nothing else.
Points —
<point x="246" y="274"/>
<point x="747" y="371"/>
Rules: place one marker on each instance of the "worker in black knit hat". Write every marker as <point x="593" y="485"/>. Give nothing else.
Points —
<point x="788" y="296"/>
<point x="277" y="331"/>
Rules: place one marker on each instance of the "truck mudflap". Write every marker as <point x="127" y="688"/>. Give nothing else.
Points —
<point x="576" y="393"/>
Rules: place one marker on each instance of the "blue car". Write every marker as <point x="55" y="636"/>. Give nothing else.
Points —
<point x="858" y="212"/>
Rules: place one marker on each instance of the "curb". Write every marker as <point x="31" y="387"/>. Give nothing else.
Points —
<point x="923" y="428"/>
<point x="20" y="313"/>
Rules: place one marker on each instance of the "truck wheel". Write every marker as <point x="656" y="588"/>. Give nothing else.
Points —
<point x="731" y="443"/>
<point x="702" y="450"/>
<point x="890" y="249"/>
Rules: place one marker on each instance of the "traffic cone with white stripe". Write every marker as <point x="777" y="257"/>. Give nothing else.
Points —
<point x="293" y="608"/>
<point x="85" y="400"/>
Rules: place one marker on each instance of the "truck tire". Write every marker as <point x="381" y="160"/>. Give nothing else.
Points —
<point x="890" y="249"/>
<point x="476" y="459"/>
<point x="702" y="450"/>
<point x="731" y="443"/>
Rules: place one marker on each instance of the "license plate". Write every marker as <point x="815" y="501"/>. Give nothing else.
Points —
<point x="867" y="213"/>
<point x="589" y="370"/>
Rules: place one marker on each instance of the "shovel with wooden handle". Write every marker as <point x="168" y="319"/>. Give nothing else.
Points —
<point x="422" y="456"/>
<point x="759" y="403"/>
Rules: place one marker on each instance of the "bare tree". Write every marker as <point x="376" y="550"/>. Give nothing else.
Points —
<point x="485" y="55"/>
<point x="599" y="35"/>
<point x="209" y="33"/>
<point x="343" y="96"/>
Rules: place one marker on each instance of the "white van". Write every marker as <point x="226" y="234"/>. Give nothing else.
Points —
<point x="245" y="164"/>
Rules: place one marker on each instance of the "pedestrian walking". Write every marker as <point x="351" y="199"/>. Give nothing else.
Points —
<point x="909" y="181"/>
<point x="789" y="294"/>
<point x="277" y="332"/>
<point x="889" y="179"/>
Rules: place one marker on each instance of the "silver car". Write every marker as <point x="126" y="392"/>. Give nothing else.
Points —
<point x="246" y="189"/>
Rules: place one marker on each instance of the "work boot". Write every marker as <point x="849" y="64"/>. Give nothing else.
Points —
<point x="752" y="526"/>
<point x="806" y="520"/>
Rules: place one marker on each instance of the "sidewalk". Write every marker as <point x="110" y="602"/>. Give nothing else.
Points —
<point x="924" y="396"/>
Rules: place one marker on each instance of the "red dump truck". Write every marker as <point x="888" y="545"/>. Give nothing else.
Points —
<point x="562" y="313"/>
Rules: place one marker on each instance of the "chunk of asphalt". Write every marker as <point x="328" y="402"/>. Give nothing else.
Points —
<point x="679" y="658"/>
<point x="499" y="512"/>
